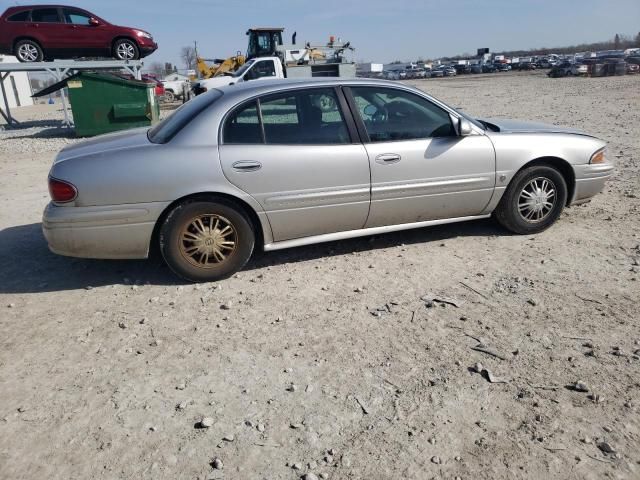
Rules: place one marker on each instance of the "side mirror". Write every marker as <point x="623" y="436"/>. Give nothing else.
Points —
<point x="464" y="127"/>
<point x="93" y="22"/>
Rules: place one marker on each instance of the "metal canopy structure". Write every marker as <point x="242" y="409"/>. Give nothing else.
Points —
<point x="60" y="70"/>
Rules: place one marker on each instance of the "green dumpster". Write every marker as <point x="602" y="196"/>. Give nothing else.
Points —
<point x="103" y="103"/>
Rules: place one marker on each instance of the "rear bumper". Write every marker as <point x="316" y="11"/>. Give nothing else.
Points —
<point x="111" y="232"/>
<point x="590" y="180"/>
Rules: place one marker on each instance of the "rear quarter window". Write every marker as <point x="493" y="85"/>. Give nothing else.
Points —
<point x="171" y="126"/>
<point x="19" y="17"/>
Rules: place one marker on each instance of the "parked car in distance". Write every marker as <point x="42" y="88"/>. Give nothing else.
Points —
<point x="391" y="75"/>
<point x="414" y="73"/>
<point x="421" y="73"/>
<point x="262" y="165"/>
<point x="567" y="69"/>
<point x="437" y="73"/>
<point x="488" y="68"/>
<point x="633" y="68"/>
<point x="158" y="86"/>
<point x="527" y="66"/>
<point x="503" y="67"/>
<point x="448" y="70"/>
<point x="39" y="33"/>
<point x="460" y="69"/>
<point x="476" y="68"/>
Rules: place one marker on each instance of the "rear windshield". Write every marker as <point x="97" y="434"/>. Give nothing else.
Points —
<point x="170" y="126"/>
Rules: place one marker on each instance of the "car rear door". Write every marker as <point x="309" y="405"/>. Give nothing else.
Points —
<point x="297" y="153"/>
<point x="47" y="27"/>
<point x="420" y="168"/>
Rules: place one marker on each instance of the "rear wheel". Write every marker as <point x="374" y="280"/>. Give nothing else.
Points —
<point x="28" y="51"/>
<point x="126" y="49"/>
<point x="533" y="201"/>
<point x="205" y="241"/>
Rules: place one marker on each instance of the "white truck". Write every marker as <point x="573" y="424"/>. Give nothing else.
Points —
<point x="265" y="68"/>
<point x="174" y="89"/>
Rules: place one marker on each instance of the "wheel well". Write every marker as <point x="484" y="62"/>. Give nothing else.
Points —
<point x="563" y="167"/>
<point x="19" y="39"/>
<point x="208" y="196"/>
<point x="123" y="37"/>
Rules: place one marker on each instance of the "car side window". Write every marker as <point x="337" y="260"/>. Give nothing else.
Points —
<point x="311" y="117"/>
<point x="45" y="15"/>
<point x="19" y="17"/>
<point x="243" y="125"/>
<point x="261" y="69"/>
<point x="390" y="115"/>
<point x="76" y="17"/>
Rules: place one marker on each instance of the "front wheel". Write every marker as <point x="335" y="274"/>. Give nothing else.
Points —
<point x="126" y="49"/>
<point x="169" y="97"/>
<point x="205" y="241"/>
<point x="533" y="201"/>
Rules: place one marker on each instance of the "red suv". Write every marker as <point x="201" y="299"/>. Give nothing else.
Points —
<point x="44" y="32"/>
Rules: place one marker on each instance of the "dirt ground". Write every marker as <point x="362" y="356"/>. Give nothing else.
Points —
<point x="324" y="359"/>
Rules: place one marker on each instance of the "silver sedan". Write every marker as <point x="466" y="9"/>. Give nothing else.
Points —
<point x="287" y="163"/>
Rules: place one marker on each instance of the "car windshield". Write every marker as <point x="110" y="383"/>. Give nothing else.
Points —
<point x="170" y="126"/>
<point x="242" y="69"/>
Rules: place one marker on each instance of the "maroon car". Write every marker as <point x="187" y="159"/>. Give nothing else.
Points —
<point x="44" y="32"/>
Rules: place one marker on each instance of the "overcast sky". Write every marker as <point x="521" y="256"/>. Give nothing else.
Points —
<point x="380" y="30"/>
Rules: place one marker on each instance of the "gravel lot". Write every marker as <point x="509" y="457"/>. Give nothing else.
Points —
<point x="324" y="360"/>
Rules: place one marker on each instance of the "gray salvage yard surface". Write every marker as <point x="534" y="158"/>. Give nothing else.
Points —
<point x="451" y="352"/>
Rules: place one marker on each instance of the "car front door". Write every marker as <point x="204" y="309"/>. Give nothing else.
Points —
<point x="261" y="70"/>
<point x="420" y="168"/>
<point x="47" y="27"/>
<point x="81" y="35"/>
<point x="297" y="154"/>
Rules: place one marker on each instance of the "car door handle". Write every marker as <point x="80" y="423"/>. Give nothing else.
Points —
<point x="387" y="158"/>
<point x="246" y="166"/>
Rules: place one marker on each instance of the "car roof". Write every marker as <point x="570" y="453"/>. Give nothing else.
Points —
<point x="247" y="89"/>
<point x="43" y="5"/>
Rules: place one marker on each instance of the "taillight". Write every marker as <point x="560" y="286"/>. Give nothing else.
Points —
<point x="61" y="191"/>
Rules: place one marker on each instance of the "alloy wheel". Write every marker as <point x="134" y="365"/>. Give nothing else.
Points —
<point x="537" y="199"/>
<point x="125" y="51"/>
<point x="28" y="52"/>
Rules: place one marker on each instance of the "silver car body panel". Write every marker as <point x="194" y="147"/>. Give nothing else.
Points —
<point x="304" y="189"/>
<point x="111" y="231"/>
<point x="520" y="126"/>
<point x="363" y="232"/>
<point x="300" y="194"/>
<point x="432" y="178"/>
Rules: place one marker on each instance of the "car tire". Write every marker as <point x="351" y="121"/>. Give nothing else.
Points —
<point x="169" y="96"/>
<point x="533" y="201"/>
<point x="28" y="51"/>
<point x="197" y="253"/>
<point x="126" y="49"/>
